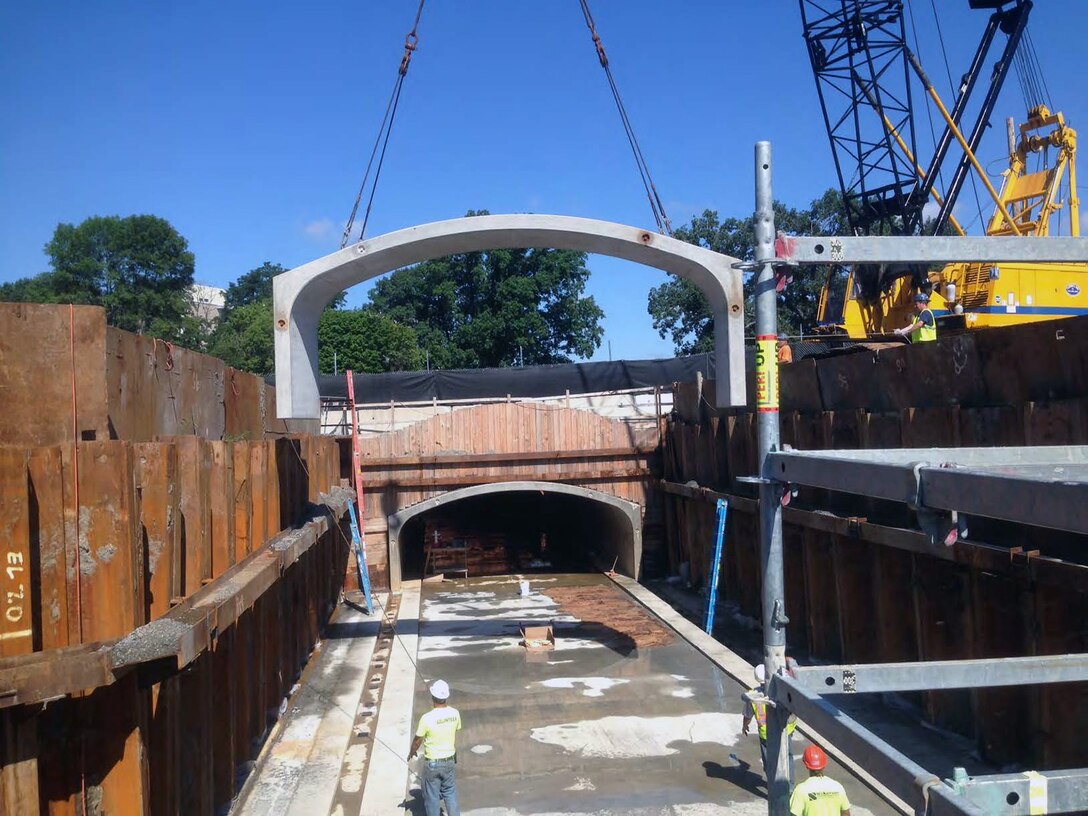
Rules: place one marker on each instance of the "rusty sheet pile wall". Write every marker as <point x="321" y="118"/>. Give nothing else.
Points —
<point x="59" y="363"/>
<point x="862" y="584"/>
<point x="502" y="443"/>
<point x="153" y="615"/>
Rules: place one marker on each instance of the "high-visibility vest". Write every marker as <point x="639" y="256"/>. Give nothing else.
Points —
<point x="924" y="333"/>
<point x="761" y="719"/>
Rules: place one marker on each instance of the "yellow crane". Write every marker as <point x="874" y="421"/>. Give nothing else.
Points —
<point x="980" y="295"/>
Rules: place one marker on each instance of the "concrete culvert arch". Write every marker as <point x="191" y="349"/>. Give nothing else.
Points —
<point x="301" y="294"/>
<point x="613" y="533"/>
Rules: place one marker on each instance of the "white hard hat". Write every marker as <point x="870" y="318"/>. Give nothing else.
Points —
<point x="440" y="690"/>
<point x="761" y="673"/>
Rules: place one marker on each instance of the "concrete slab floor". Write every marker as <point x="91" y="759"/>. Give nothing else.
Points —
<point x="597" y="726"/>
<point x="298" y="769"/>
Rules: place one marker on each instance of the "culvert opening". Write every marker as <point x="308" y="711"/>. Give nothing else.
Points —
<point x="516" y="532"/>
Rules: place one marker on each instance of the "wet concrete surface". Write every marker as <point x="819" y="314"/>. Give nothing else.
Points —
<point x="596" y="726"/>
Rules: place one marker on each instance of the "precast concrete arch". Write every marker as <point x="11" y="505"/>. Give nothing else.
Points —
<point x="301" y="294"/>
<point x="628" y="557"/>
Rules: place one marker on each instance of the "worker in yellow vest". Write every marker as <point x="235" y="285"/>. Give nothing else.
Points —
<point x="818" y="795"/>
<point x="924" y="326"/>
<point x="755" y="708"/>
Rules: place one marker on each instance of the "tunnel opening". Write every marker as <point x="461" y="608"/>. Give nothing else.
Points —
<point x="523" y="531"/>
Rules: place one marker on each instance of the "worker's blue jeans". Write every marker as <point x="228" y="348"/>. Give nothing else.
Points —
<point x="440" y="782"/>
<point x="763" y="756"/>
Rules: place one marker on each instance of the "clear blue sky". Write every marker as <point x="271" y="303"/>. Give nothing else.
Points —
<point x="247" y="125"/>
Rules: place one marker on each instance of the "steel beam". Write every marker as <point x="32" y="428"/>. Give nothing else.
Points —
<point x="892" y="249"/>
<point x="943" y="674"/>
<point x="1025" y="793"/>
<point x="908" y="780"/>
<point x="1040" y="486"/>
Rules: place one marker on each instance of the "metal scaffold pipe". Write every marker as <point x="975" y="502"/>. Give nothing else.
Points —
<point x="770" y="507"/>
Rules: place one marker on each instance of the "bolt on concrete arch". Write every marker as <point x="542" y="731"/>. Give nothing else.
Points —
<point x="300" y="295"/>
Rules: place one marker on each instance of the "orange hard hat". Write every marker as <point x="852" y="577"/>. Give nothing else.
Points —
<point x="814" y="758"/>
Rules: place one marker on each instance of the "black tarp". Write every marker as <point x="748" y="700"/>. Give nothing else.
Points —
<point x="528" y="381"/>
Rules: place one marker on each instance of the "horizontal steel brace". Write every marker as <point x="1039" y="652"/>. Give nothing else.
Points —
<point x="944" y="249"/>
<point x="1013" y="794"/>
<point x="903" y="776"/>
<point x="1040" y="486"/>
<point x="943" y="674"/>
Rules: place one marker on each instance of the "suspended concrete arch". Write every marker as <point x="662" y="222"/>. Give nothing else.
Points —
<point x="301" y="294"/>
<point x="628" y="554"/>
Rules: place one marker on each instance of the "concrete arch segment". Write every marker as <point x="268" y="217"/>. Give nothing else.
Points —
<point x="301" y="294"/>
<point x="629" y="560"/>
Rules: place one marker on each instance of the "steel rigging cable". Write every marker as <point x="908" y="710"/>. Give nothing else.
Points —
<point x="411" y="40"/>
<point x="663" y="223"/>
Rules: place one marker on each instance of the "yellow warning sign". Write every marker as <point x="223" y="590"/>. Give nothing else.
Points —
<point x="766" y="373"/>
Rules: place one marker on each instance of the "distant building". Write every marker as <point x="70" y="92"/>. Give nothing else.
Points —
<point x="208" y="301"/>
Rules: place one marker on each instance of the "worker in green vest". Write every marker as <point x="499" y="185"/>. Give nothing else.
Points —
<point x="818" y="795"/>
<point x="755" y="708"/>
<point x="924" y="326"/>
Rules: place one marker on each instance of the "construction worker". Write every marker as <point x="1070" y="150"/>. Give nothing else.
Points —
<point x="818" y="795"/>
<point x="785" y="353"/>
<point x="923" y="327"/>
<point x="437" y="734"/>
<point x="755" y="708"/>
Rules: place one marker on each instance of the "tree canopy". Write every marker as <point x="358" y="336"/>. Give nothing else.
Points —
<point x="681" y="313"/>
<point x="138" y="268"/>
<point x="255" y="285"/>
<point x="365" y="341"/>
<point x="496" y="308"/>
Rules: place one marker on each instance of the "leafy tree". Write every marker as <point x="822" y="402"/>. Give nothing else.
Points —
<point x="364" y="340"/>
<point x="253" y="286"/>
<point x="243" y="338"/>
<point x="38" y="289"/>
<point x="495" y="308"/>
<point x="681" y="313"/>
<point x="138" y="268"/>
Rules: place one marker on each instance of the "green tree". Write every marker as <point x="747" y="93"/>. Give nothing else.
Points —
<point x="495" y="308"/>
<point x="681" y="313"/>
<point x="138" y="268"/>
<point x="253" y="286"/>
<point x="363" y="340"/>
<point x="38" y="289"/>
<point x="243" y="338"/>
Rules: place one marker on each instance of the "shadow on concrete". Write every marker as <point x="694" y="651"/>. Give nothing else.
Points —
<point x="740" y="775"/>
<point x="351" y="630"/>
<point x="413" y="803"/>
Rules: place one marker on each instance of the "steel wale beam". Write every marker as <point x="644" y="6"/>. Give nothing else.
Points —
<point x="1021" y="794"/>
<point x="908" y="780"/>
<point x="942" y="674"/>
<point x="1040" y="486"/>
<point x="301" y="294"/>
<point x="805" y="250"/>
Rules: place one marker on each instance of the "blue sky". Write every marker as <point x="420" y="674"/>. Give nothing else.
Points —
<point x="247" y="125"/>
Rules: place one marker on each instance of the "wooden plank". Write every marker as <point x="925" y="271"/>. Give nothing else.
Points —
<point x="116" y="752"/>
<point x="165" y="730"/>
<point x="194" y="532"/>
<point x="1001" y="718"/>
<point x="439" y="480"/>
<point x="157" y="479"/>
<point x="195" y="758"/>
<point x="111" y="552"/>
<point x="943" y="598"/>
<point x="242" y="501"/>
<point x="853" y="562"/>
<point x="221" y="506"/>
<point x="258" y="463"/>
<point x="224" y="699"/>
<point x="19" y="593"/>
<point x="825" y="641"/>
<point x="19" y="762"/>
<point x="49" y="478"/>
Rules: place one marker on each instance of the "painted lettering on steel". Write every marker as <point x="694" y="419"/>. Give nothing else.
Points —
<point x="766" y="373"/>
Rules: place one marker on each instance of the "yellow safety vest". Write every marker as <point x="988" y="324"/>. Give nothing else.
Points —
<point x="924" y="333"/>
<point x="760" y="710"/>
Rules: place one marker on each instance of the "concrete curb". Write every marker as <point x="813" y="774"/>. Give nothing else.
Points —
<point x="740" y="670"/>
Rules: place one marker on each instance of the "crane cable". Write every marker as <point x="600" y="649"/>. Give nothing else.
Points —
<point x="411" y="40"/>
<point x="658" y="208"/>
